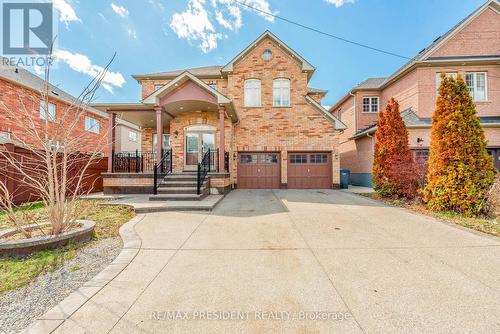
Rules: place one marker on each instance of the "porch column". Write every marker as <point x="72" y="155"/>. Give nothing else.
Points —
<point x="222" y="143"/>
<point x="111" y="140"/>
<point x="159" y="132"/>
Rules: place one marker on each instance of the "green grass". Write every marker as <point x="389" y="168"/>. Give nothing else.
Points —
<point x="490" y="225"/>
<point x="17" y="272"/>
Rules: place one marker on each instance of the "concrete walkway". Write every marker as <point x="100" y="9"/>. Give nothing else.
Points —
<point x="290" y="261"/>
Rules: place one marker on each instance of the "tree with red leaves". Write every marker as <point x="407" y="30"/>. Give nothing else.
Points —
<point x="393" y="174"/>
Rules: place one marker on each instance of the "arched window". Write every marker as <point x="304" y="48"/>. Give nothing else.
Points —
<point x="281" y="93"/>
<point x="252" y="93"/>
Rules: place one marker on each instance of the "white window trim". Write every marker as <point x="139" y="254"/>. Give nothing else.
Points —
<point x="95" y="128"/>
<point x="370" y="104"/>
<point x="51" y="118"/>
<point x="259" y="97"/>
<point x="281" y="92"/>
<point x="475" y="84"/>
<point x="453" y="75"/>
<point x="5" y="135"/>
<point x="135" y="134"/>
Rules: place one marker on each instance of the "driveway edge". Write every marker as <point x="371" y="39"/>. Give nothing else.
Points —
<point x="439" y="220"/>
<point x="53" y="318"/>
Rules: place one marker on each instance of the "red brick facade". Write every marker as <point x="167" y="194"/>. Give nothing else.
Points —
<point x="12" y="94"/>
<point x="298" y="127"/>
<point x="415" y="89"/>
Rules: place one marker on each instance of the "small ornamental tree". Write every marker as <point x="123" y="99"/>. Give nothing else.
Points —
<point x="460" y="169"/>
<point x="393" y="162"/>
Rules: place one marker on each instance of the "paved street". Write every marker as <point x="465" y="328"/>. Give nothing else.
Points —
<point x="273" y="258"/>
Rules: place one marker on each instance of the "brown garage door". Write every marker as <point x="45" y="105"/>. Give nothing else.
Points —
<point x="309" y="170"/>
<point x="259" y="170"/>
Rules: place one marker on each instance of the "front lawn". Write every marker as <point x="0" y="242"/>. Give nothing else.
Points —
<point x="490" y="225"/>
<point x="17" y="272"/>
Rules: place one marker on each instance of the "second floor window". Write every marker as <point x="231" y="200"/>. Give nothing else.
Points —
<point x="453" y="75"/>
<point x="213" y="84"/>
<point x="281" y="93"/>
<point x="47" y="112"/>
<point x="252" y="93"/>
<point x="477" y="85"/>
<point x="370" y="104"/>
<point x="92" y="124"/>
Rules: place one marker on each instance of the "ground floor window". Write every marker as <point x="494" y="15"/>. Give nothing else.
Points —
<point x="421" y="154"/>
<point x="495" y="156"/>
<point x="166" y="141"/>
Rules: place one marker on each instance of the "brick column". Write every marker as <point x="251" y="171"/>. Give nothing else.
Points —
<point x="222" y="143"/>
<point x="111" y="140"/>
<point x="159" y="132"/>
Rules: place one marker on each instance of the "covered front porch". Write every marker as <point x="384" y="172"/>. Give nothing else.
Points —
<point x="195" y="124"/>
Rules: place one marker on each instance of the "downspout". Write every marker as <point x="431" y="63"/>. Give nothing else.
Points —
<point x="355" y="112"/>
<point x="233" y="145"/>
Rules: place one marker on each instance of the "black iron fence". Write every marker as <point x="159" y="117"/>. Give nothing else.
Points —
<point x="133" y="162"/>
<point x="204" y="168"/>
<point x="161" y="168"/>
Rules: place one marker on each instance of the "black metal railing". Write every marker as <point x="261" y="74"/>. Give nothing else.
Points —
<point x="162" y="168"/>
<point x="133" y="162"/>
<point x="203" y="169"/>
<point x="226" y="162"/>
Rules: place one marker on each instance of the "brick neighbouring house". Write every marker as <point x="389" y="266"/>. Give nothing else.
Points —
<point x="16" y="82"/>
<point x="471" y="48"/>
<point x="274" y="131"/>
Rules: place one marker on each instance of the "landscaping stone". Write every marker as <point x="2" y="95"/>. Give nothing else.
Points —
<point x="20" y="307"/>
<point x="17" y="247"/>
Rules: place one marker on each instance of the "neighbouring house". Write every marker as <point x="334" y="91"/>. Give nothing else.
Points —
<point x="252" y="123"/>
<point x="18" y="84"/>
<point x="470" y="49"/>
<point x="128" y="137"/>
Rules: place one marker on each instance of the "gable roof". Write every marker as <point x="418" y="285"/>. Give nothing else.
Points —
<point x="179" y="80"/>
<point x="204" y="71"/>
<point x="306" y="66"/>
<point x="339" y="125"/>
<point x="423" y="55"/>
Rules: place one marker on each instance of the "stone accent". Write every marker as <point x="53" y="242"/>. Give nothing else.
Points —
<point x="127" y="183"/>
<point x="220" y="183"/>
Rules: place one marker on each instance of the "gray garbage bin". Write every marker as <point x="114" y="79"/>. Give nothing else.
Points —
<point x="344" y="178"/>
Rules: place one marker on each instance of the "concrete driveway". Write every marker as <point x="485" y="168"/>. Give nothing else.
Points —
<point x="288" y="261"/>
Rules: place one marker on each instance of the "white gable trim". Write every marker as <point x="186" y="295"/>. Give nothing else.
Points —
<point x="339" y="125"/>
<point x="306" y="66"/>
<point x="185" y="76"/>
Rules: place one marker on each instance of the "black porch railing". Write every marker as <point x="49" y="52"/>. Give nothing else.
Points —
<point x="226" y="162"/>
<point x="204" y="169"/>
<point x="161" y="168"/>
<point x="133" y="162"/>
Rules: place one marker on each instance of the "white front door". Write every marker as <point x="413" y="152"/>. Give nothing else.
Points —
<point x="197" y="143"/>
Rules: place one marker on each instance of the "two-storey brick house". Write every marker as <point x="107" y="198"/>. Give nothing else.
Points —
<point x="470" y="49"/>
<point x="257" y="115"/>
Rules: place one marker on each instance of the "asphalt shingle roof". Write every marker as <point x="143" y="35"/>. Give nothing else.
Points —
<point x="213" y="70"/>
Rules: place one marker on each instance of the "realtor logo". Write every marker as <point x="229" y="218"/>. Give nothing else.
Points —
<point x="27" y="28"/>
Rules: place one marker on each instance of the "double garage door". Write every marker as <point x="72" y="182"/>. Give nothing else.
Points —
<point x="306" y="170"/>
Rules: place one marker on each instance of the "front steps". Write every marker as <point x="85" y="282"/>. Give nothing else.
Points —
<point x="180" y="187"/>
